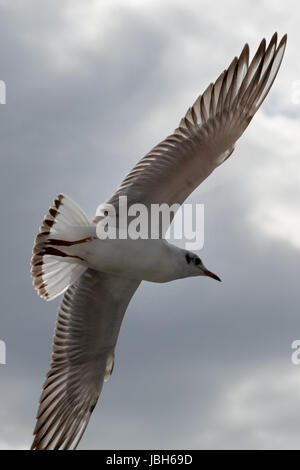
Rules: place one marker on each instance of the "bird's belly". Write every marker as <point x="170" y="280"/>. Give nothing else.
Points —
<point x="134" y="259"/>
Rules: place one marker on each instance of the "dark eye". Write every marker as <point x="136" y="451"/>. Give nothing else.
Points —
<point x="188" y="258"/>
<point x="197" y="261"/>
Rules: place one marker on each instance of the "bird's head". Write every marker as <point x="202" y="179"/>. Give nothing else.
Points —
<point x="195" y="267"/>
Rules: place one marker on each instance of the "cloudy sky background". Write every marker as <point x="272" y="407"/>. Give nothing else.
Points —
<point x="91" y="87"/>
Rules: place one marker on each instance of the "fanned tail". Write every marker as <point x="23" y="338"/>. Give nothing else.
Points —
<point x="56" y="264"/>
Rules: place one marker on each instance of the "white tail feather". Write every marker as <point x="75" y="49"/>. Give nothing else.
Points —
<point x="54" y="266"/>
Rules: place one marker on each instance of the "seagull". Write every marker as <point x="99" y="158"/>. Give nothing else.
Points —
<point x="99" y="276"/>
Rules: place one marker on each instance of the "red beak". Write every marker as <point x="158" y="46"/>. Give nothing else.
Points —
<point x="210" y="274"/>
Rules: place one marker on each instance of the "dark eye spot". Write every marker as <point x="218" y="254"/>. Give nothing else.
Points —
<point x="197" y="261"/>
<point x="188" y="258"/>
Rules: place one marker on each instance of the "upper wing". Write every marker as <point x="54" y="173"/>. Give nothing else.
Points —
<point x="87" y="329"/>
<point x="206" y="135"/>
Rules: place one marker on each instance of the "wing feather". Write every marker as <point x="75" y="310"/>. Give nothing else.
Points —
<point x="87" y="328"/>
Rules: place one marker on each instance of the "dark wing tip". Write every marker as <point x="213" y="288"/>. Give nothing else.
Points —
<point x="261" y="48"/>
<point x="283" y="41"/>
<point x="274" y="37"/>
<point x="245" y="53"/>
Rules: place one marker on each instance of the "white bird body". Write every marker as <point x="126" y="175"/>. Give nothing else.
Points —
<point x="99" y="277"/>
<point x="149" y="260"/>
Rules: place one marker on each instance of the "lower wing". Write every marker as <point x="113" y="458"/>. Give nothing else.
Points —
<point x="88" y="324"/>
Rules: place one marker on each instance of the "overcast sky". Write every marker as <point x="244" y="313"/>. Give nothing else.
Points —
<point x="91" y="87"/>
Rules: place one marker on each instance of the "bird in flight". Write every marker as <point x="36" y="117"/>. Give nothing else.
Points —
<point x="99" y="276"/>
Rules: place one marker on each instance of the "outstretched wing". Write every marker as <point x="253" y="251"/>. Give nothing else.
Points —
<point x="87" y="329"/>
<point x="207" y="134"/>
